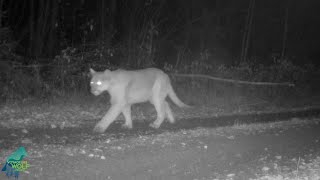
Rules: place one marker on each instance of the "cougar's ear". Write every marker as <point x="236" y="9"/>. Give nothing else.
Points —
<point x="107" y="71"/>
<point x="92" y="72"/>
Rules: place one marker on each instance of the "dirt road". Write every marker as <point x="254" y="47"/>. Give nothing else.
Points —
<point x="239" y="151"/>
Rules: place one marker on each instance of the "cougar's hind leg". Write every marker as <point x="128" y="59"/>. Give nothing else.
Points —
<point x="158" y="99"/>
<point x="169" y="114"/>
<point x="160" y="108"/>
<point x="127" y="115"/>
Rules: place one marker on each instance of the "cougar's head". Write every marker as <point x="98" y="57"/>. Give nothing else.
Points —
<point x="100" y="81"/>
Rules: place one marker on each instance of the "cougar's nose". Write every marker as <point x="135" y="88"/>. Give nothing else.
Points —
<point x="95" y="92"/>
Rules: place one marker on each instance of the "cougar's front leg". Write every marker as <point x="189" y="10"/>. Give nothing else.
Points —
<point x="110" y="116"/>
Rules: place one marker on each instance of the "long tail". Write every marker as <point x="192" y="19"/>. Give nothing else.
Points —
<point x="173" y="96"/>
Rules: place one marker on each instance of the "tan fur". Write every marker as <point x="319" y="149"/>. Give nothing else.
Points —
<point x="130" y="87"/>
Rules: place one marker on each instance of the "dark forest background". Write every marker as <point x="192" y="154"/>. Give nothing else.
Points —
<point x="51" y="44"/>
<point x="43" y="28"/>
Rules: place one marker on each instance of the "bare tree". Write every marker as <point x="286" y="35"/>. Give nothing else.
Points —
<point x="31" y="26"/>
<point x="52" y="29"/>
<point x="247" y="31"/>
<point x="106" y="18"/>
<point x="1" y="12"/>
<point x="40" y="27"/>
<point x="285" y="31"/>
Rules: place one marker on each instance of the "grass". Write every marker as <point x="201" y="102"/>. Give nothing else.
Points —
<point x="309" y="170"/>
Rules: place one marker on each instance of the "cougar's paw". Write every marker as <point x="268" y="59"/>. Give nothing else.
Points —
<point x="126" y="126"/>
<point x="154" y="125"/>
<point x="98" y="129"/>
<point x="172" y="121"/>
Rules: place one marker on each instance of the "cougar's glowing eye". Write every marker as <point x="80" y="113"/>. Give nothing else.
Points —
<point x="91" y="82"/>
<point x="99" y="83"/>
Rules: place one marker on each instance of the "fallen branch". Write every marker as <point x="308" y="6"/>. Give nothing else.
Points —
<point x="235" y="81"/>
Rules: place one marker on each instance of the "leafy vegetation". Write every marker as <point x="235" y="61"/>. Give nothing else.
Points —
<point x="68" y="75"/>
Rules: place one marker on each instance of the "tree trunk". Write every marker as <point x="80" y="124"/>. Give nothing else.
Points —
<point x="1" y="5"/>
<point x="52" y="30"/>
<point x="204" y="35"/>
<point x="102" y="19"/>
<point x="38" y="31"/>
<point x="113" y="10"/>
<point x="285" y="32"/>
<point x="31" y="27"/>
<point x="189" y="28"/>
<point x="247" y="32"/>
